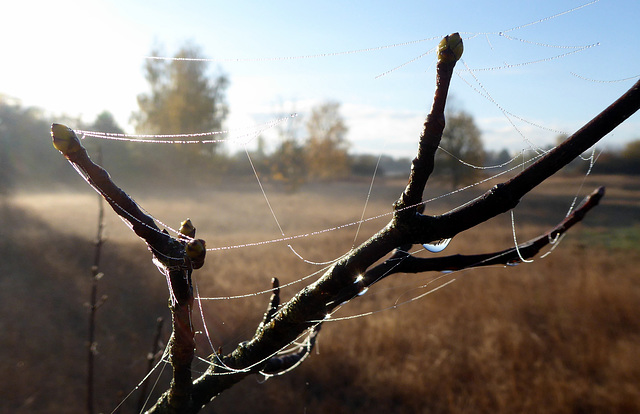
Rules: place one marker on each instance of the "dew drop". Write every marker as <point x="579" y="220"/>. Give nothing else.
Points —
<point x="363" y="291"/>
<point x="514" y="263"/>
<point x="437" y="246"/>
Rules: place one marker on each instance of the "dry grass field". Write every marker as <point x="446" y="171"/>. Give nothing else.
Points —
<point x="559" y="335"/>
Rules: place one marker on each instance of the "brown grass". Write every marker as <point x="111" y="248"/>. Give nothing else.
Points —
<point x="559" y="335"/>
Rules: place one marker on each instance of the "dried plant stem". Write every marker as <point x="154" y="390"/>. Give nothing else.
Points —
<point x="94" y="304"/>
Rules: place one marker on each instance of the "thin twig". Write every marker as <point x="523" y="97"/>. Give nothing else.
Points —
<point x="94" y="304"/>
<point x="168" y="251"/>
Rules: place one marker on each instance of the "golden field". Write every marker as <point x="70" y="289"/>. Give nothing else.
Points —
<point x="559" y="335"/>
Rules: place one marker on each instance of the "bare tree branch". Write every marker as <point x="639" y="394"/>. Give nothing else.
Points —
<point x="506" y="196"/>
<point x="282" y="325"/>
<point x="281" y="364"/>
<point x="274" y="302"/>
<point x="449" y="51"/>
<point x="401" y="261"/>
<point x="173" y="256"/>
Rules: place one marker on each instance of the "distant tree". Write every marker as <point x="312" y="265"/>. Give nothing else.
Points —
<point x="503" y="157"/>
<point x="183" y="97"/>
<point x="560" y="138"/>
<point x="23" y="160"/>
<point x="287" y="163"/>
<point x="629" y="158"/>
<point x="326" y="146"/>
<point x="115" y="154"/>
<point x="365" y="165"/>
<point x="261" y="147"/>
<point x="6" y="166"/>
<point x="461" y="140"/>
<point x="495" y="158"/>
<point x="394" y="166"/>
<point x="622" y="161"/>
<point x="631" y="151"/>
<point x="260" y="160"/>
<point x="105" y="122"/>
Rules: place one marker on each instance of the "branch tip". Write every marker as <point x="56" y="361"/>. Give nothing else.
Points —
<point x="188" y="229"/>
<point x="450" y="48"/>
<point x="274" y="302"/>
<point x="196" y="250"/>
<point x="65" y="139"/>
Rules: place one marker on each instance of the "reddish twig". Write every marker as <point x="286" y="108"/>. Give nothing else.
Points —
<point x="176" y="257"/>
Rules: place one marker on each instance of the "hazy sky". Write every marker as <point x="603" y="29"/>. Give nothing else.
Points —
<point x="82" y="57"/>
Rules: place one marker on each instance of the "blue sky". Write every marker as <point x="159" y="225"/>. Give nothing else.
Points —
<point x="82" y="57"/>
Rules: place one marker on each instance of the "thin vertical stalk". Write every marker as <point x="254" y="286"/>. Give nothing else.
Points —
<point x="94" y="304"/>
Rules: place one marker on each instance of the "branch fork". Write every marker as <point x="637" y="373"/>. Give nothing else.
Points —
<point x="282" y="324"/>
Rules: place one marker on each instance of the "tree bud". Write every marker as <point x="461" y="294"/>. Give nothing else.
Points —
<point x="65" y="139"/>
<point x="450" y="48"/>
<point x="196" y="251"/>
<point x="187" y="228"/>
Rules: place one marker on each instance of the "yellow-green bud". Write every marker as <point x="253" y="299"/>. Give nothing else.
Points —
<point x="450" y="48"/>
<point x="196" y="251"/>
<point x="65" y="139"/>
<point x="187" y="228"/>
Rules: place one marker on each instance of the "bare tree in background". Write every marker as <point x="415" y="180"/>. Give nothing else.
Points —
<point x="326" y="147"/>
<point x="461" y="140"/>
<point x="282" y="324"/>
<point x="287" y="163"/>
<point x="183" y="97"/>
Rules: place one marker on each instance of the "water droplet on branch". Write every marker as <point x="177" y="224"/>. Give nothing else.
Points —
<point x="437" y="246"/>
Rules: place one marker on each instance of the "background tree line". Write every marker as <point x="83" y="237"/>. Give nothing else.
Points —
<point x="185" y="97"/>
<point x="23" y="163"/>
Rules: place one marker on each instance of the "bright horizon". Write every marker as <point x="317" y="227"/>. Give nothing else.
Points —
<point x="80" y="58"/>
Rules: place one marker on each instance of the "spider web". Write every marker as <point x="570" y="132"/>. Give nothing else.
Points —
<point x="284" y="235"/>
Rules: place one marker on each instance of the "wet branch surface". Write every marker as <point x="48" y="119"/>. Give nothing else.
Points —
<point x="303" y="314"/>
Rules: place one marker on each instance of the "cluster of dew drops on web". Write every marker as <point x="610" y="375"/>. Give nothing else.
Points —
<point x="471" y="77"/>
